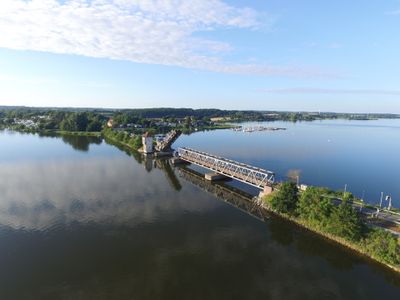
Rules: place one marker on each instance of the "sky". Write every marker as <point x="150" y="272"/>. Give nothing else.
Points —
<point x="298" y="55"/>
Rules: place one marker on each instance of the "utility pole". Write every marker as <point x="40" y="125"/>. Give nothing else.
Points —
<point x="345" y="190"/>
<point x="390" y="202"/>
<point x="362" y="201"/>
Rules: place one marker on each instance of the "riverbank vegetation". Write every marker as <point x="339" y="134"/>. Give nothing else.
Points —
<point x="56" y="121"/>
<point x="313" y="210"/>
<point x="133" y="142"/>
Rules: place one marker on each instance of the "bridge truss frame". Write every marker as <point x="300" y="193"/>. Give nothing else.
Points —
<point x="254" y="176"/>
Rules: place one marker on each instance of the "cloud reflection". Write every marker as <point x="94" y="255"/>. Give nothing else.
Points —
<point x="36" y="195"/>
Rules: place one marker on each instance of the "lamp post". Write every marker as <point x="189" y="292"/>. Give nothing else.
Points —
<point x="389" y="198"/>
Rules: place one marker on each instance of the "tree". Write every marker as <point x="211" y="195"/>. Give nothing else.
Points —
<point x="81" y="120"/>
<point x="345" y="222"/>
<point x="315" y="208"/>
<point x="285" y="199"/>
<point x="188" y="122"/>
<point x="94" y="125"/>
<point x="383" y="245"/>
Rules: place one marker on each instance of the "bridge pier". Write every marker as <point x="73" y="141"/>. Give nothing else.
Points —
<point x="177" y="161"/>
<point x="214" y="176"/>
<point x="266" y="191"/>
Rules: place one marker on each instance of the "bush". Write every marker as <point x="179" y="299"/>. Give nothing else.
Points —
<point x="345" y="222"/>
<point x="285" y="199"/>
<point x="314" y="208"/>
<point x="383" y="245"/>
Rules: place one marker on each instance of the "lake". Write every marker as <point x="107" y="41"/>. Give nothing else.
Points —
<point x="364" y="155"/>
<point x="82" y="219"/>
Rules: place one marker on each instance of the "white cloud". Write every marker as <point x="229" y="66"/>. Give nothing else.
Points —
<point x="307" y="90"/>
<point x="142" y="31"/>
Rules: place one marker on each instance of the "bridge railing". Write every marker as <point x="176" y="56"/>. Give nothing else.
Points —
<point x="254" y="176"/>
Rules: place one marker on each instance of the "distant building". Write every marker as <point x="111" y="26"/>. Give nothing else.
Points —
<point x="110" y="123"/>
<point x="303" y="187"/>
<point x="147" y="141"/>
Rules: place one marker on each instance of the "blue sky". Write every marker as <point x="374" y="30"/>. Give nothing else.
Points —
<point x="266" y="55"/>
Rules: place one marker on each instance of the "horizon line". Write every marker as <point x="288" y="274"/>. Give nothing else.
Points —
<point x="209" y="108"/>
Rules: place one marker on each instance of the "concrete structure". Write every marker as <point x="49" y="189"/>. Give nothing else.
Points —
<point x="214" y="176"/>
<point x="266" y="191"/>
<point x="147" y="141"/>
<point x="177" y="161"/>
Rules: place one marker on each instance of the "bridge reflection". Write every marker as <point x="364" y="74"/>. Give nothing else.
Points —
<point x="163" y="164"/>
<point x="233" y="196"/>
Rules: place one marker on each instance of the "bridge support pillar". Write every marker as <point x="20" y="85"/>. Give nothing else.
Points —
<point x="177" y="161"/>
<point x="266" y="191"/>
<point x="214" y="176"/>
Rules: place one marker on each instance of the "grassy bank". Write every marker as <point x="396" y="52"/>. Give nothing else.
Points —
<point x="122" y="138"/>
<point x="75" y="133"/>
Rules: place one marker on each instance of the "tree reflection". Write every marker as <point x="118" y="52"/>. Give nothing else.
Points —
<point x="81" y="143"/>
<point x="281" y="231"/>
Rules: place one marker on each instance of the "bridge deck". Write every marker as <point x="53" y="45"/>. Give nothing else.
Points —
<point x="254" y="176"/>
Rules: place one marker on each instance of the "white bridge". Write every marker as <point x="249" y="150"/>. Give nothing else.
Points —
<point x="254" y="176"/>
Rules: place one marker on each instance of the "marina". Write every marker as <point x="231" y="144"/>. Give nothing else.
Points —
<point x="257" y="128"/>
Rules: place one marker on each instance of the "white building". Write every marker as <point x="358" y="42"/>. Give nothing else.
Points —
<point x="147" y="141"/>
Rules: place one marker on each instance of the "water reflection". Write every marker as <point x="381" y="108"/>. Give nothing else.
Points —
<point x="80" y="143"/>
<point x="231" y="195"/>
<point x="104" y="228"/>
<point x="36" y="195"/>
<point x="164" y="165"/>
<point x="150" y="162"/>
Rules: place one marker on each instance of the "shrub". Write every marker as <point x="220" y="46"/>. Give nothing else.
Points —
<point x="285" y="199"/>
<point x="383" y="245"/>
<point x="345" y="222"/>
<point x="314" y="208"/>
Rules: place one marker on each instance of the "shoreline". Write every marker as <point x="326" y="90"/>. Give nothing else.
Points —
<point x="341" y="241"/>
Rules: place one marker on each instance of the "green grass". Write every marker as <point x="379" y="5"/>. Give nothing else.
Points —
<point x="78" y="133"/>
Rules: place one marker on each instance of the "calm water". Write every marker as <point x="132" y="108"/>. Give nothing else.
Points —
<point x="365" y="155"/>
<point x="81" y="219"/>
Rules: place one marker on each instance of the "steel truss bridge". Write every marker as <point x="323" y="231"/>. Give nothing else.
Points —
<point x="254" y="176"/>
